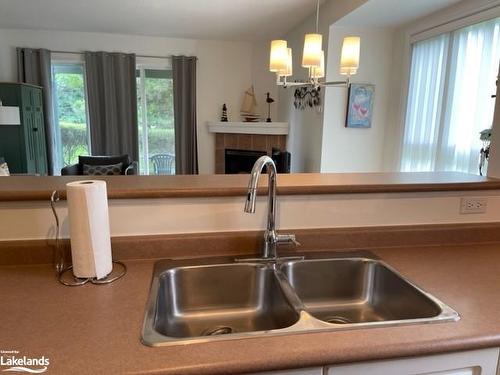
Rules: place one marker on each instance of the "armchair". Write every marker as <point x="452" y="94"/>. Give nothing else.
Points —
<point x="129" y="167"/>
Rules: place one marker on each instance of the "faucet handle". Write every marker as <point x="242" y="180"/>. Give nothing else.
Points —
<point x="295" y="242"/>
<point x="287" y="239"/>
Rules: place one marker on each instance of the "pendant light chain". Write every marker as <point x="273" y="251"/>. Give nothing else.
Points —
<point x="317" y="17"/>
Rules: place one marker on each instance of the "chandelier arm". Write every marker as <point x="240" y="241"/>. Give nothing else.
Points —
<point x="336" y="83"/>
<point x="285" y="84"/>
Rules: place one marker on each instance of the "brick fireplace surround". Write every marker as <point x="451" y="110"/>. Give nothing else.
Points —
<point x="254" y="142"/>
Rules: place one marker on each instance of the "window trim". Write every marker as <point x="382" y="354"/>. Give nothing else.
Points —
<point x="454" y="21"/>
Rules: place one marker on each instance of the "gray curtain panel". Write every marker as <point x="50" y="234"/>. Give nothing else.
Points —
<point x="34" y="67"/>
<point x="184" y="80"/>
<point x="112" y="101"/>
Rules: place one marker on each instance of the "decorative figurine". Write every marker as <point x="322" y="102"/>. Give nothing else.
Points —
<point x="484" y="155"/>
<point x="307" y="98"/>
<point x="269" y="100"/>
<point x="223" y="118"/>
<point x="249" y="111"/>
<point x="4" y="169"/>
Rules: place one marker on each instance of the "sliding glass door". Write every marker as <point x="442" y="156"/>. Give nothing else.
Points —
<point x="155" y="116"/>
<point x="70" y="113"/>
<point x="156" y="121"/>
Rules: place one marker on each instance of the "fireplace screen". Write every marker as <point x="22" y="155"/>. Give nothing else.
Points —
<point x="241" y="161"/>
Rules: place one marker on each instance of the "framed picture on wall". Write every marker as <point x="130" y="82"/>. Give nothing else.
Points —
<point x="360" y="105"/>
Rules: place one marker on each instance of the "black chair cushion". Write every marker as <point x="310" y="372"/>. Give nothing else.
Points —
<point x="104" y="160"/>
<point x="102" y="170"/>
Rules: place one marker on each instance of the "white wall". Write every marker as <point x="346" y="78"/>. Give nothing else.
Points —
<point x="306" y="126"/>
<point x="304" y="139"/>
<point x="224" y="68"/>
<point x="224" y="73"/>
<point x="396" y="105"/>
<point x="263" y="80"/>
<point x="351" y="149"/>
<point x="196" y="215"/>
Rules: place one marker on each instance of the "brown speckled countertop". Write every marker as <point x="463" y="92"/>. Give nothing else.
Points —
<point x="96" y="329"/>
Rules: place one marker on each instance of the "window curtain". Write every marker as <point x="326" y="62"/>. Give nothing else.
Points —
<point x="34" y="67"/>
<point x="184" y="89"/>
<point x="112" y="102"/>
<point x="473" y="70"/>
<point x="425" y="100"/>
<point x="451" y="82"/>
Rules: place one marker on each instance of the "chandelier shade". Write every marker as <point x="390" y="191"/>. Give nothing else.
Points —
<point x="313" y="45"/>
<point x="349" y="60"/>
<point x="278" y="58"/>
<point x="319" y="72"/>
<point x="289" y="65"/>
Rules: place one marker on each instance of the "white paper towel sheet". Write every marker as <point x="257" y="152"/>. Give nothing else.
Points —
<point x="89" y="228"/>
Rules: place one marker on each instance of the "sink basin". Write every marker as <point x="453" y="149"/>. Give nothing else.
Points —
<point x="225" y="300"/>
<point x="356" y="291"/>
<point x="220" y="299"/>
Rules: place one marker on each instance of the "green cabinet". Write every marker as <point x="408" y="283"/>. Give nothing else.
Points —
<point x="24" y="146"/>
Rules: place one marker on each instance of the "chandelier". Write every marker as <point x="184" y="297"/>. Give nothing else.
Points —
<point x="313" y="59"/>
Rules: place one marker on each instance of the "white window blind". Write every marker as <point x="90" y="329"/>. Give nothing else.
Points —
<point x="449" y="100"/>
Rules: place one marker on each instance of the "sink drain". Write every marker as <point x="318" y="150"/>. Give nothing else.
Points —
<point x="337" y="320"/>
<point x="221" y="330"/>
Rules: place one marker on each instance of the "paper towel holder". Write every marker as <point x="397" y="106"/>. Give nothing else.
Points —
<point x="63" y="272"/>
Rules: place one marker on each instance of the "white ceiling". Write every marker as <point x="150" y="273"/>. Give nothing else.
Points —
<point x="392" y="13"/>
<point x="200" y="19"/>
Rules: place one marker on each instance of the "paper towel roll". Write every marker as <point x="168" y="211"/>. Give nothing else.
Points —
<point x="89" y="228"/>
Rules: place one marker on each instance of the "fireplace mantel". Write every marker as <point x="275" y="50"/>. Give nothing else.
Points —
<point x="264" y="128"/>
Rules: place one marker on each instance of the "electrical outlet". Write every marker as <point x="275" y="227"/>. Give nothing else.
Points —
<point x="473" y="205"/>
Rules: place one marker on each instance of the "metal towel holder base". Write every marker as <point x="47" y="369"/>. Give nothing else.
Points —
<point x="64" y="273"/>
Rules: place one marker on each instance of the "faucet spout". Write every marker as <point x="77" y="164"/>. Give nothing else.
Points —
<point x="271" y="238"/>
<point x="250" y="201"/>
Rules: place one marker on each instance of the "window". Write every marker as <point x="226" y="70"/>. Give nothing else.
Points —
<point x="452" y="79"/>
<point x="70" y="113"/>
<point x="156" y="121"/>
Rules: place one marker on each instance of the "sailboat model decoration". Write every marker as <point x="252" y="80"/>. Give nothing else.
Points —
<point x="249" y="107"/>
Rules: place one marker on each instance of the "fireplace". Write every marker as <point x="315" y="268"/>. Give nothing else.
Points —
<point x="260" y="144"/>
<point x="240" y="161"/>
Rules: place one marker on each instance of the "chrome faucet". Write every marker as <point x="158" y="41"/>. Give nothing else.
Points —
<point x="271" y="238"/>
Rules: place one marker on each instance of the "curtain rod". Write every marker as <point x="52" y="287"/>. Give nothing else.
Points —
<point x="459" y="18"/>
<point x="146" y="56"/>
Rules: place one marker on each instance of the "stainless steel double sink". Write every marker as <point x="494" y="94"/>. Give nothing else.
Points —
<point x="206" y="302"/>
